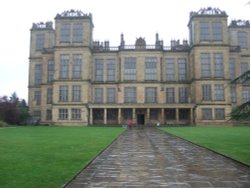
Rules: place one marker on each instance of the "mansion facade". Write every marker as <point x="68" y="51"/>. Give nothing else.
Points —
<point x="74" y="80"/>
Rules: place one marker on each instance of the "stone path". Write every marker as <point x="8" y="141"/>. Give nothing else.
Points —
<point x="152" y="158"/>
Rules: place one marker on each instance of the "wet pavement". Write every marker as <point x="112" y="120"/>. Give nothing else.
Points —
<point x="152" y="158"/>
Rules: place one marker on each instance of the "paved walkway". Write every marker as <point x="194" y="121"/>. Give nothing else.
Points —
<point x="152" y="158"/>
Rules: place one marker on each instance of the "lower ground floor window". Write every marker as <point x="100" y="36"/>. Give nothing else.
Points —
<point x="63" y="113"/>
<point x="206" y="113"/>
<point x="219" y="113"/>
<point x="76" y="113"/>
<point x="49" y="114"/>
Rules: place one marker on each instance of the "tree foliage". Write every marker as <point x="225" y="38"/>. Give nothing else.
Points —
<point x="13" y="110"/>
<point x="241" y="112"/>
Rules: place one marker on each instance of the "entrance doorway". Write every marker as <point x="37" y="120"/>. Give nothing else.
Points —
<point x="140" y="119"/>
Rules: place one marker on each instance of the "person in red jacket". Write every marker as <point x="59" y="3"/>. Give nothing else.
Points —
<point x="130" y="123"/>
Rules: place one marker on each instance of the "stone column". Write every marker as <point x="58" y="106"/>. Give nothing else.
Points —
<point x="148" y="115"/>
<point x="91" y="116"/>
<point x="191" y="116"/>
<point x="119" y="116"/>
<point x="177" y="115"/>
<point x="133" y="115"/>
<point x="105" y="116"/>
<point x="162" y="116"/>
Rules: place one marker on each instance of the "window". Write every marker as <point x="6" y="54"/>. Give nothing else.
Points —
<point x="169" y="69"/>
<point x="218" y="65"/>
<point x="219" y="92"/>
<point x="111" y="95"/>
<point x="130" y="68"/>
<point x="154" y="114"/>
<point x="242" y="39"/>
<point x="205" y="65"/>
<point x="206" y="113"/>
<point x="217" y="31"/>
<point x="38" y="74"/>
<point x="99" y="69"/>
<point x="50" y="71"/>
<point x="206" y="92"/>
<point x="233" y="94"/>
<point x="49" y="95"/>
<point x="151" y="95"/>
<point x="245" y="94"/>
<point x="76" y="93"/>
<point x="170" y="95"/>
<point x="111" y="70"/>
<point x="40" y="39"/>
<point x="48" y="114"/>
<point x="65" y="33"/>
<point x="77" y="66"/>
<point x="219" y="113"/>
<point x="243" y="67"/>
<point x="63" y="93"/>
<point x="63" y="113"/>
<point x="130" y="95"/>
<point x="77" y="32"/>
<point x="98" y="95"/>
<point x="183" y="95"/>
<point x="204" y="31"/>
<point x="75" y="113"/>
<point x="64" y="66"/>
<point x="182" y="69"/>
<point x="232" y="71"/>
<point x="150" y="68"/>
<point x="37" y="97"/>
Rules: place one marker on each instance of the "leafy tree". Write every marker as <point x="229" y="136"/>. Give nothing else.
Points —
<point x="12" y="110"/>
<point x="241" y="112"/>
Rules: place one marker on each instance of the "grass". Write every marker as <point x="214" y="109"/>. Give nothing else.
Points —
<point x="230" y="141"/>
<point x="48" y="156"/>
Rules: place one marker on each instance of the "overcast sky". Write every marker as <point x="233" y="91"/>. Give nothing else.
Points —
<point x="133" y="18"/>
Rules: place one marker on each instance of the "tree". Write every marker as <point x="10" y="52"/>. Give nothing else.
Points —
<point x="12" y="110"/>
<point x="241" y="112"/>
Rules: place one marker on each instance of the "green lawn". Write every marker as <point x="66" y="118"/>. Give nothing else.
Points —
<point x="48" y="156"/>
<point x="230" y="141"/>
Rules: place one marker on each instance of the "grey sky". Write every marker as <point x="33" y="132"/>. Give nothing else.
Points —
<point x="133" y="18"/>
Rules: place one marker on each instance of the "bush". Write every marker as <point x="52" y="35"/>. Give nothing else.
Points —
<point x="3" y="124"/>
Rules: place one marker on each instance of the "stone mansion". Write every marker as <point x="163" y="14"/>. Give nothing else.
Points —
<point x="74" y="80"/>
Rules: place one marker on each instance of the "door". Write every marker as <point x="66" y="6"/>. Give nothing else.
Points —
<point x="140" y="119"/>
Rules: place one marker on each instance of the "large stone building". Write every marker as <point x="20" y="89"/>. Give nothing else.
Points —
<point x="74" y="80"/>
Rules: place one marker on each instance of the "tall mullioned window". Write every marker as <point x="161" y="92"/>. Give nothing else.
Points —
<point x="98" y="95"/>
<point x="75" y="113"/>
<point x="77" y="32"/>
<point x="63" y="93"/>
<point x="151" y="95"/>
<point x="242" y="39"/>
<point x="111" y="69"/>
<point x="243" y="67"/>
<point x="204" y="31"/>
<point x="49" y="95"/>
<point x="219" y="92"/>
<point x="169" y="69"/>
<point x="130" y="68"/>
<point x="38" y="74"/>
<point x="50" y="71"/>
<point x="182" y="69"/>
<point x="218" y="65"/>
<point x="77" y="66"/>
<point x="64" y="66"/>
<point x="76" y="93"/>
<point x="206" y="92"/>
<point x="183" y="95"/>
<point x="63" y="113"/>
<point x="40" y="39"/>
<point x="111" y="95"/>
<point x="130" y="95"/>
<point x="65" y="33"/>
<point x="205" y="65"/>
<point x="170" y="95"/>
<point x="232" y="72"/>
<point x="99" y="70"/>
<point x="217" y="31"/>
<point x="37" y="97"/>
<point x="207" y="114"/>
<point x="150" y="68"/>
<point x="219" y="113"/>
